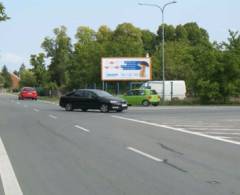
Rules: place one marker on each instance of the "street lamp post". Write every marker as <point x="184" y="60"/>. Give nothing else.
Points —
<point x="163" y="39"/>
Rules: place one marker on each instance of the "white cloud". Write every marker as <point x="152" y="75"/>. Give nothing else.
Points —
<point x="11" y="60"/>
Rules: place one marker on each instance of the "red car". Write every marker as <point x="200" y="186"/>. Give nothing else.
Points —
<point x="28" y="93"/>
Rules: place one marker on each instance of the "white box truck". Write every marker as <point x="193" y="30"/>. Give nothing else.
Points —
<point x="173" y="89"/>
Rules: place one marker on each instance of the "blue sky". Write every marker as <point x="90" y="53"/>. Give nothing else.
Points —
<point x="32" y="20"/>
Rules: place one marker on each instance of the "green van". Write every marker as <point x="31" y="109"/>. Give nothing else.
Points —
<point x="143" y="97"/>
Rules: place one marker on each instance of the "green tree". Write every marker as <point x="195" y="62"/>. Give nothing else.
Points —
<point x="7" y="77"/>
<point x="207" y="70"/>
<point x="1" y="81"/>
<point x="230" y="61"/>
<point x="3" y="15"/>
<point x="104" y="38"/>
<point x="195" y="34"/>
<point x="149" y="41"/>
<point x="39" y="68"/>
<point x="85" y="68"/>
<point x="169" y="33"/>
<point x="21" y="69"/>
<point x="181" y="33"/>
<point x="59" y="50"/>
<point x="28" y="79"/>
<point x="127" y="41"/>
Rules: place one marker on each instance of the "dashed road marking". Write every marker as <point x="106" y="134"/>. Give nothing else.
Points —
<point x="52" y="116"/>
<point x="36" y="110"/>
<point x="83" y="129"/>
<point x="8" y="177"/>
<point x="145" y="154"/>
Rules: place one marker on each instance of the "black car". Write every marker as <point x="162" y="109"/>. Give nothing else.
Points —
<point x="85" y="99"/>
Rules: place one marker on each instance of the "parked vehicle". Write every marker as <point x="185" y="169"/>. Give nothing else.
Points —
<point x="28" y="93"/>
<point x="143" y="97"/>
<point x="85" y="99"/>
<point x="173" y="89"/>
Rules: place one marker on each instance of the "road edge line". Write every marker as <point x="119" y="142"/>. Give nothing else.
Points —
<point x="9" y="179"/>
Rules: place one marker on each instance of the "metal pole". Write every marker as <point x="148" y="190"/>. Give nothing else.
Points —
<point x="163" y="39"/>
<point x="163" y="56"/>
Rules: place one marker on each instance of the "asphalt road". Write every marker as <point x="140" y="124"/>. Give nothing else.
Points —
<point x="143" y="151"/>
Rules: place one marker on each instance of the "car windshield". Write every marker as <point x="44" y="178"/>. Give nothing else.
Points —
<point x="28" y="89"/>
<point x="103" y="93"/>
<point x="153" y="92"/>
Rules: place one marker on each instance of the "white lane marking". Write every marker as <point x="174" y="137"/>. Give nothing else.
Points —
<point x="79" y="127"/>
<point x="179" y="130"/>
<point x="233" y="120"/>
<point x="36" y="110"/>
<point x="52" y="116"/>
<point x="9" y="179"/>
<point x="195" y="126"/>
<point x="25" y="106"/>
<point x="48" y="102"/>
<point x="17" y="102"/>
<point x="213" y="129"/>
<point x="144" y="154"/>
<point x="222" y="133"/>
<point x="224" y="137"/>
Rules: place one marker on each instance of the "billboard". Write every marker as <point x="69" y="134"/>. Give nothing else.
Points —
<point x="126" y="69"/>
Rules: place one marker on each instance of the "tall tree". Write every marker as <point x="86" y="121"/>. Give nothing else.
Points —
<point x="22" y="68"/>
<point x="86" y="59"/>
<point x="1" y="81"/>
<point x="7" y="77"/>
<point x="127" y="41"/>
<point x="170" y="34"/>
<point x="28" y="79"/>
<point x="149" y="41"/>
<point x="104" y="38"/>
<point x="230" y="77"/>
<point x="59" y="50"/>
<point x="39" y="69"/>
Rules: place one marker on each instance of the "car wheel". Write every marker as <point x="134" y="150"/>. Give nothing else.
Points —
<point x="68" y="107"/>
<point x="84" y="110"/>
<point x="119" y="110"/>
<point x="104" y="108"/>
<point x="155" y="104"/>
<point x="145" y="103"/>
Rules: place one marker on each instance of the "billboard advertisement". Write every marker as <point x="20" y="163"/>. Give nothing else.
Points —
<point x="126" y="69"/>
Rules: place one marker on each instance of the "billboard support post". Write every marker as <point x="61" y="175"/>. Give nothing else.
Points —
<point x="103" y="85"/>
<point x="118" y="88"/>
